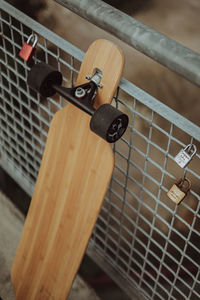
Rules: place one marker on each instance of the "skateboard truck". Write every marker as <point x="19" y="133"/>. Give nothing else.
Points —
<point x="106" y="121"/>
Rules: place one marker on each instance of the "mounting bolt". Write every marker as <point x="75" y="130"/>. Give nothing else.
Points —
<point x="80" y="93"/>
<point x="88" y="77"/>
<point x="100" y="85"/>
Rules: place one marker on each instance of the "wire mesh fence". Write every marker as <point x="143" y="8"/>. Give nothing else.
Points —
<point x="148" y="244"/>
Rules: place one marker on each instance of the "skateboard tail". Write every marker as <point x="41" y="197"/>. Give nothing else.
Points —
<point x="63" y="211"/>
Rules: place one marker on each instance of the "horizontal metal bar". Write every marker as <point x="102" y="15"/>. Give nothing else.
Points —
<point x="160" y="108"/>
<point x="11" y="169"/>
<point x="159" y="47"/>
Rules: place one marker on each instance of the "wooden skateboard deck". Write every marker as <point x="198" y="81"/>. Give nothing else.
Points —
<point x="74" y="175"/>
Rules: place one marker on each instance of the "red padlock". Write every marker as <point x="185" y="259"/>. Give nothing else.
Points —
<point x="27" y="49"/>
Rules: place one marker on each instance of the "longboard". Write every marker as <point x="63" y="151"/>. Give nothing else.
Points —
<point x="73" y="178"/>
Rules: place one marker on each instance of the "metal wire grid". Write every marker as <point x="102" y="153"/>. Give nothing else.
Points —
<point x="150" y="245"/>
<point x="151" y="241"/>
<point x="25" y="118"/>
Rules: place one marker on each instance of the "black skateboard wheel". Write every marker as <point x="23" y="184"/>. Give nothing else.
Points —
<point x="42" y="77"/>
<point x="109" y="123"/>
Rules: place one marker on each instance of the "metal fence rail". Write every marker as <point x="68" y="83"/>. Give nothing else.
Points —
<point x="143" y="38"/>
<point x="149" y="245"/>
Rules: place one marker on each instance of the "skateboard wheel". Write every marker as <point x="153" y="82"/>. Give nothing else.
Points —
<point x="109" y="123"/>
<point x="42" y="77"/>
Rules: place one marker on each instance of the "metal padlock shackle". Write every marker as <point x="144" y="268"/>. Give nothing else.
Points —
<point x="33" y="37"/>
<point x="191" y="149"/>
<point x="180" y="183"/>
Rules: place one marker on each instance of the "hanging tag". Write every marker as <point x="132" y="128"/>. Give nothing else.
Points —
<point x="28" y="47"/>
<point x="179" y="190"/>
<point x="185" y="155"/>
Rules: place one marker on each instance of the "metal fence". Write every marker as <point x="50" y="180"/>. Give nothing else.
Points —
<point x="145" y="242"/>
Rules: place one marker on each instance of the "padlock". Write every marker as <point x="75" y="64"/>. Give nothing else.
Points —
<point x="185" y="155"/>
<point x="27" y="49"/>
<point x="178" y="191"/>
